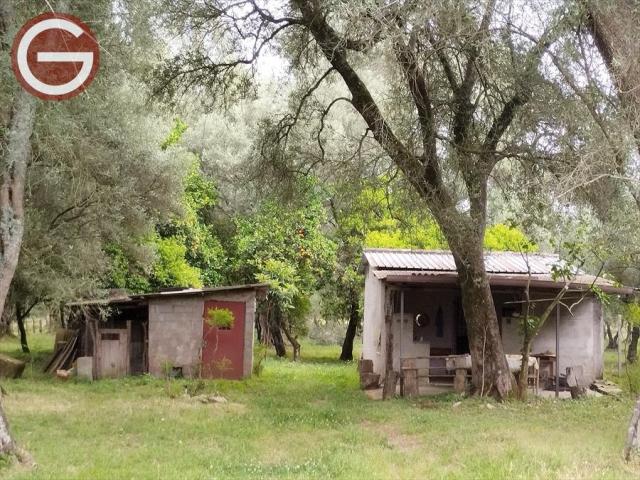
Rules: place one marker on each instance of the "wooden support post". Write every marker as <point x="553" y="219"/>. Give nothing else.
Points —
<point x="557" y="372"/>
<point x="400" y="342"/>
<point x="96" y="348"/>
<point x="410" y="375"/>
<point x="619" y="317"/>
<point x="391" y="376"/>
<point x="145" y="343"/>
<point x="128" y="360"/>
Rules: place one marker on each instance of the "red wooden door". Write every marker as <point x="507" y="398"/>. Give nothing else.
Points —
<point x="223" y="348"/>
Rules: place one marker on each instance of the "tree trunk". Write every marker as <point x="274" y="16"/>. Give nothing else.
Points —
<point x="523" y="380"/>
<point x="20" y="316"/>
<point x="14" y="171"/>
<point x="7" y="445"/>
<point x="633" y="433"/>
<point x="294" y="343"/>
<point x="275" y="331"/>
<point x="632" y="353"/>
<point x="5" y="322"/>
<point x="13" y="168"/>
<point x="490" y="371"/>
<point x="354" y="319"/>
<point x="615" y="27"/>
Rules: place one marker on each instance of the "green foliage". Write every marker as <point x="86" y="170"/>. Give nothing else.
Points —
<point x="284" y="246"/>
<point x="632" y="313"/>
<point x="506" y="238"/>
<point x="220" y="318"/>
<point x="259" y="356"/>
<point x="193" y="230"/>
<point x="171" y="267"/>
<point x="175" y="134"/>
<point x="123" y="273"/>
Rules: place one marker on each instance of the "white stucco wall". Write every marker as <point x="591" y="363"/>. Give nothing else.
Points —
<point x="409" y="348"/>
<point x="373" y="321"/>
<point x="580" y="338"/>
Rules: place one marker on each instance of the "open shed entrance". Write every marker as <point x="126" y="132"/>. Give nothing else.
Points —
<point x="430" y="328"/>
<point x="114" y="334"/>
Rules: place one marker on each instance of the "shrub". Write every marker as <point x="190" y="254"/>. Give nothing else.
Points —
<point x="220" y="318"/>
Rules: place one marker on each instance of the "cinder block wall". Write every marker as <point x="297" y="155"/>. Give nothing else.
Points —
<point x="175" y="330"/>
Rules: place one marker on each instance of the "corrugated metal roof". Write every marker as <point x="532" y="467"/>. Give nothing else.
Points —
<point x="202" y="291"/>
<point x="438" y="260"/>
<point x="169" y="293"/>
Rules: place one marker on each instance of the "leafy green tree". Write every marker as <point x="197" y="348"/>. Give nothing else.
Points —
<point x="284" y="245"/>
<point x="83" y="174"/>
<point x="380" y="217"/>
<point x="203" y="249"/>
<point x="185" y="248"/>
<point x="171" y="267"/>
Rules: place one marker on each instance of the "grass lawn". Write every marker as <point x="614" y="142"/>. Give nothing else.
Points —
<point x="302" y="420"/>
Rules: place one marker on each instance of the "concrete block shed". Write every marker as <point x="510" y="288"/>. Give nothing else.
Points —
<point x="168" y="332"/>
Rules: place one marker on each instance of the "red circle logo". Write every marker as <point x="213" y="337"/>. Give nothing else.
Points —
<point x="55" y="56"/>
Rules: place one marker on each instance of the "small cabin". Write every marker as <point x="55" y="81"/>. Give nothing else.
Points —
<point x="418" y="291"/>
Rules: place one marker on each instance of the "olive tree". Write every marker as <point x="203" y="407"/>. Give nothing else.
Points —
<point x="447" y="103"/>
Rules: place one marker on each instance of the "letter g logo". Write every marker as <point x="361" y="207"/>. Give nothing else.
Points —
<point x="55" y="56"/>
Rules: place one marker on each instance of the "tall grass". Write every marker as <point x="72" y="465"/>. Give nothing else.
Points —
<point x="303" y="420"/>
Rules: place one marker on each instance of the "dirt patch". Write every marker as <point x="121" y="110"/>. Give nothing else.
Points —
<point x="396" y="439"/>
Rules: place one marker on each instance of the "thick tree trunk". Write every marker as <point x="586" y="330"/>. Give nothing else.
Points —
<point x="490" y="371"/>
<point x="632" y="353"/>
<point x="354" y="319"/>
<point x="7" y="445"/>
<point x="13" y="168"/>
<point x="275" y="331"/>
<point x="5" y="322"/>
<point x="615" y="27"/>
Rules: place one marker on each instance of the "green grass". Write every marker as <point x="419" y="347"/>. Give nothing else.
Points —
<point x="302" y="420"/>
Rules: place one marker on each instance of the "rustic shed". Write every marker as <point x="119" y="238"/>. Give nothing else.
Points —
<point x="416" y="293"/>
<point x="169" y="332"/>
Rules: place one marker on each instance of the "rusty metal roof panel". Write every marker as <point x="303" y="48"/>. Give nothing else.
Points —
<point x="438" y="260"/>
